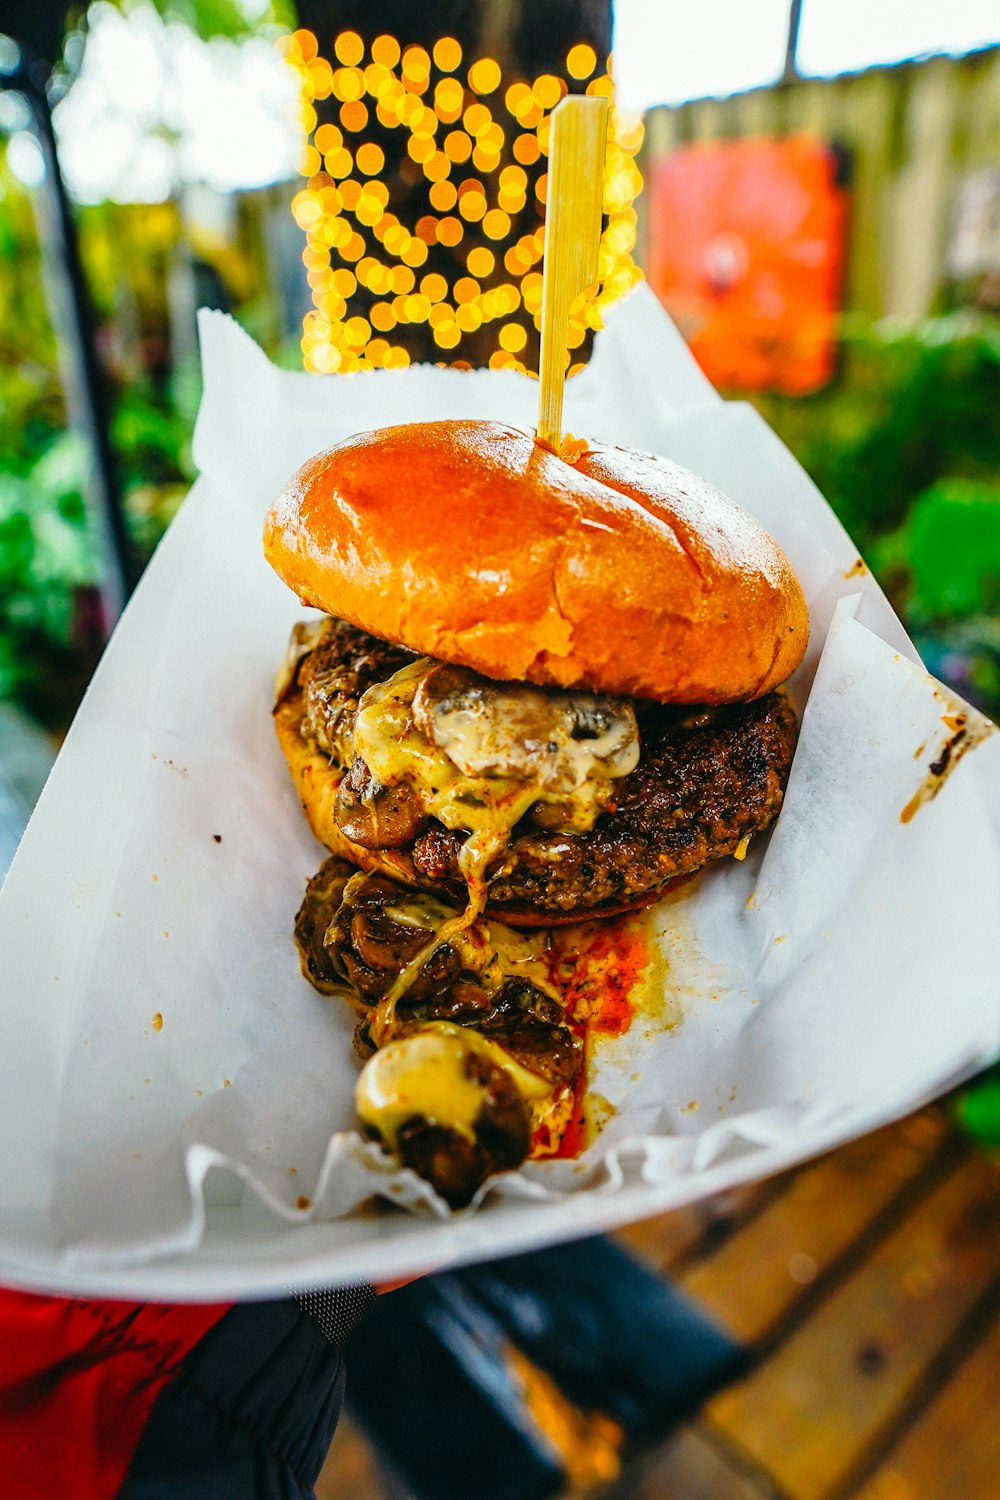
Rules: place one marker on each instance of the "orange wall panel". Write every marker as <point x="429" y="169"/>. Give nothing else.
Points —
<point x="746" y="251"/>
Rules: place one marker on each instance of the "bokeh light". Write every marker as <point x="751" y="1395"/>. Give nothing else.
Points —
<point x="581" y="60"/>
<point x="484" y="76"/>
<point x="447" y="54"/>
<point x="451" y="238"/>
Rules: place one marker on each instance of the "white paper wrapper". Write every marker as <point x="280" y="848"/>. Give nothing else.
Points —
<point x="846" y="971"/>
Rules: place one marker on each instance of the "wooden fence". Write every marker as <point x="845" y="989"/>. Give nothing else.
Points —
<point x="913" y="133"/>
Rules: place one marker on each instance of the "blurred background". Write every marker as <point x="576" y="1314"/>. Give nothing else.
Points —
<point x="812" y="189"/>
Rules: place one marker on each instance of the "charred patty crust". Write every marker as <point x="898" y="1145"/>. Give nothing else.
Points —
<point x="707" y="780"/>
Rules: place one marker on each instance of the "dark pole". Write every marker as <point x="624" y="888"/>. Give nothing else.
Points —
<point x="73" y="317"/>
<point x="792" y="42"/>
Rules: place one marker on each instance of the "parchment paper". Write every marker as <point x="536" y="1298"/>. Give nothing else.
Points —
<point x="175" y="1100"/>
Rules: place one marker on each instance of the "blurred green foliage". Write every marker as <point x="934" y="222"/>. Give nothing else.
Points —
<point x="49" y="639"/>
<point x="228" y="19"/>
<point x="45" y="560"/>
<point x="913" y="404"/>
<point x="906" y="447"/>
<point x="977" y="1108"/>
<point x="947" y="550"/>
<point x="48" y="565"/>
<point x="942" y="567"/>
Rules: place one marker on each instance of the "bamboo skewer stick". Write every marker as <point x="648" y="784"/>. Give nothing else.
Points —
<point x="572" y="239"/>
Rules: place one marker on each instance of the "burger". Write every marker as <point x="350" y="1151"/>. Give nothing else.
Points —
<point x="544" y="686"/>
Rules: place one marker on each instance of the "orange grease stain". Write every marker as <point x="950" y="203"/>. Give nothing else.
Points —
<point x="596" y="982"/>
<point x="597" y="989"/>
<point x="570" y="1139"/>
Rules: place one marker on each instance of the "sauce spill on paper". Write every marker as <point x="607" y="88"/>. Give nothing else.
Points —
<point x="964" y="730"/>
<point x="597" y="971"/>
<point x="607" y="976"/>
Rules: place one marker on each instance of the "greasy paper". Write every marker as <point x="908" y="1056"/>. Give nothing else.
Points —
<point x="176" y="1099"/>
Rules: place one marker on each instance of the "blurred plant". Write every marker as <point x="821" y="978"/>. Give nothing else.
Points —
<point x="48" y="638"/>
<point x="942" y="568"/>
<point x="914" y="403"/>
<point x="948" y="550"/>
<point x="906" y="447"/>
<point x="977" y="1108"/>
<point x="151" y="433"/>
<point x="226" y="19"/>
<point x="46" y="563"/>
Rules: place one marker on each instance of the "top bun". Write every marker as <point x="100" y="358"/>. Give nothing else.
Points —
<point x="609" y="570"/>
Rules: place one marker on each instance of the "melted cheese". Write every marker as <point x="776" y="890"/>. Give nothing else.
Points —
<point x="482" y="757"/>
<point x="425" y="1074"/>
<point x="562" y="741"/>
<point x="472" y="943"/>
<point x="522" y="955"/>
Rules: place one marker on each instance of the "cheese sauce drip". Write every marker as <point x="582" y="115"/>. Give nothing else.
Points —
<point x="481" y="754"/>
<point x="567" y="744"/>
<point x="493" y="952"/>
<point x="426" y="1074"/>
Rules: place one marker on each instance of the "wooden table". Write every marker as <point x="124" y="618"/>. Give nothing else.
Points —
<point x="867" y="1286"/>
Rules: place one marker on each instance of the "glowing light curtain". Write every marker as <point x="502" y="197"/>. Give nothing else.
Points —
<point x="423" y="205"/>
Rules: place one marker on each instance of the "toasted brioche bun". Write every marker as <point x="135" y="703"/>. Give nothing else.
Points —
<point x="619" y="571"/>
<point x="316" y="780"/>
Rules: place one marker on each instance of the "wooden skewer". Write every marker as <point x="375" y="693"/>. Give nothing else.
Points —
<point x="572" y="238"/>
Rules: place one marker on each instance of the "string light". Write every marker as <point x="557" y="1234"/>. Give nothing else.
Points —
<point x="480" y="262"/>
<point x="581" y="60"/>
<point x="449" y="99"/>
<point x="472" y="206"/>
<point x="548" y="90"/>
<point x="450" y="231"/>
<point x="370" y="158"/>
<point x="447" y="54"/>
<point x="496" y="224"/>
<point x="458" y="146"/>
<point x="363" y="263"/>
<point x="348" y="48"/>
<point x="386" y="50"/>
<point x="526" y="149"/>
<point x="484" y="76"/>
<point x="354" y="116"/>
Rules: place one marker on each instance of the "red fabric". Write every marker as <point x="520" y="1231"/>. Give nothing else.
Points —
<point x="77" y="1384"/>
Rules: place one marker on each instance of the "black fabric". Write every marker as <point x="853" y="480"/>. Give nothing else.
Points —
<point x="454" y="1427"/>
<point x="250" y="1414"/>
<point x="613" y="1336"/>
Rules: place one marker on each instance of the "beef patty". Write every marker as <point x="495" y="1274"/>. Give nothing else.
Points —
<point x="707" y="779"/>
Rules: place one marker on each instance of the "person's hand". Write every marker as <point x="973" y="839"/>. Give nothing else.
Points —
<point x="394" y="1286"/>
<point x="381" y="1287"/>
